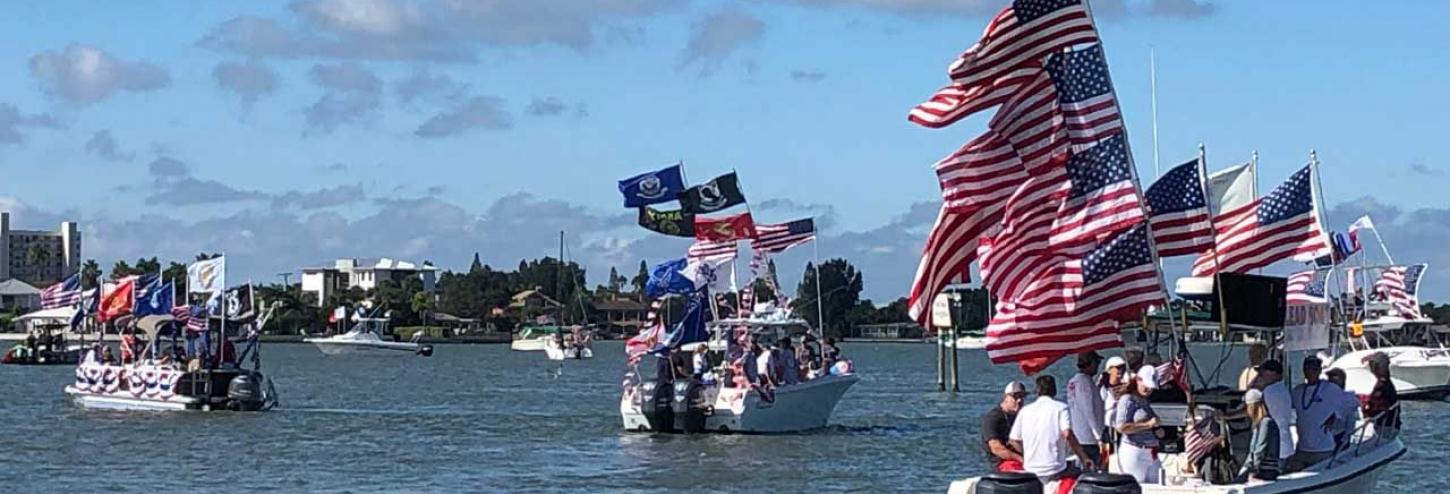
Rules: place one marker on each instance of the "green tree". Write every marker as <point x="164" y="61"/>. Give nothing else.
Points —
<point x="90" y="274"/>
<point x="148" y="266"/>
<point x="840" y="291"/>
<point x="175" y="272"/>
<point x="639" y="280"/>
<point x="121" y="270"/>
<point x="476" y="266"/>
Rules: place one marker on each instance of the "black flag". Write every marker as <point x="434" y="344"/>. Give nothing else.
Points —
<point x="236" y="303"/>
<point x="675" y="223"/>
<point x="715" y="195"/>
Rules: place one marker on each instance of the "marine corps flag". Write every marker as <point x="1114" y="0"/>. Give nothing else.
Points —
<point x="715" y="195"/>
<point x="675" y="223"/>
<point x="117" y="299"/>
<point x="733" y="227"/>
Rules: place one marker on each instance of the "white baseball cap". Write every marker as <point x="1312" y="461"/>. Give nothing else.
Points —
<point x="1115" y="361"/>
<point x="1148" y="375"/>
<point x="1253" y="396"/>
<point x="1013" y="388"/>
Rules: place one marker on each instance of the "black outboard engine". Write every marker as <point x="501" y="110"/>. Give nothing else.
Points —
<point x="1106" y="483"/>
<point x="425" y="350"/>
<point x="654" y="403"/>
<point x="1009" y="483"/>
<point x="689" y="412"/>
<point x="244" y="393"/>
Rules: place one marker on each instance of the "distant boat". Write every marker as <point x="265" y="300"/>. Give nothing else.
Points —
<point x="365" y="338"/>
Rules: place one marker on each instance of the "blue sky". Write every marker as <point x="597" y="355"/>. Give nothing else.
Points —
<point x="291" y="133"/>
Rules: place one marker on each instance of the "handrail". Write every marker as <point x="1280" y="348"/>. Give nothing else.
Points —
<point x="1358" y="436"/>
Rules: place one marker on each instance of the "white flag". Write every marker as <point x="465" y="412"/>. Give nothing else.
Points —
<point x="1362" y="223"/>
<point x="1230" y="188"/>
<point x="707" y="273"/>
<point x="209" y="276"/>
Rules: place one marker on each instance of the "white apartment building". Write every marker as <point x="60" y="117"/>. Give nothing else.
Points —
<point x="39" y="258"/>
<point x="365" y="274"/>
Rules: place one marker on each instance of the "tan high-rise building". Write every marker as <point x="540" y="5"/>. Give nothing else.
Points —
<point x="39" y="258"/>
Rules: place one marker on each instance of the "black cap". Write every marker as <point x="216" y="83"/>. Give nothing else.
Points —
<point x="1314" y="360"/>
<point x="1271" y="365"/>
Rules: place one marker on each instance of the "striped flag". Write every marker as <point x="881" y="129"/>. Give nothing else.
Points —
<point x="712" y="250"/>
<point x="1085" y="91"/>
<point x="947" y="257"/>
<point x="1075" y="304"/>
<point x="1304" y="289"/>
<point x="955" y="102"/>
<point x="63" y="294"/>
<point x="1399" y="285"/>
<point x="648" y="337"/>
<point x="1103" y="198"/>
<point x="1022" y="33"/>
<point x="1179" y="211"/>
<point x="982" y="173"/>
<point x="773" y="239"/>
<point x="1281" y="225"/>
<point x="1017" y="251"/>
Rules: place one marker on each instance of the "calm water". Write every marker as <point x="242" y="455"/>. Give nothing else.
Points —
<point x="483" y="418"/>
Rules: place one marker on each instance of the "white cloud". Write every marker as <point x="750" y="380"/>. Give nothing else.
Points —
<point x="85" y="74"/>
<point x="715" y="37"/>
<point x="250" y="80"/>
<point x="479" y="112"/>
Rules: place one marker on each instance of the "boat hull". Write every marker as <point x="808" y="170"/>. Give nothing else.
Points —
<point x="528" y="345"/>
<point x="120" y="401"/>
<point x="1419" y="373"/>
<point x="966" y="343"/>
<point x="377" y="348"/>
<point x="795" y="408"/>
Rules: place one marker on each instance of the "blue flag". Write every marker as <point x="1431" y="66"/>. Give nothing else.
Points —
<point x="666" y="278"/>
<point x="158" y="301"/>
<point x="653" y="187"/>
<point x="691" y="327"/>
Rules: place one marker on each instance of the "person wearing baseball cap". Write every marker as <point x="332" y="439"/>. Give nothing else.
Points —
<point x="997" y="426"/>
<point x="1281" y="405"/>
<point x="1112" y="386"/>
<point x="1137" y="421"/>
<point x="1085" y="405"/>
<point x="1262" y="462"/>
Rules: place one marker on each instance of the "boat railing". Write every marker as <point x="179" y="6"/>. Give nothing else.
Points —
<point x="1368" y="436"/>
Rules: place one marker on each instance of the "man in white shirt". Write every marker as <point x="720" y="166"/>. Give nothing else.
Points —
<point x="1085" y="405"/>
<point x="1043" y="433"/>
<point x="1281" y="407"/>
<point x="1317" y="405"/>
<point x="1348" y="407"/>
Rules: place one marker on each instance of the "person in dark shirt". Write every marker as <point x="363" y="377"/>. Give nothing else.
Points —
<point x="1384" y="396"/>
<point x="997" y="427"/>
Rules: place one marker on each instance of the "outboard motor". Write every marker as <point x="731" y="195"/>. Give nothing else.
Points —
<point x="1009" y="483"/>
<point x="425" y="350"/>
<point x="1106" y="483"/>
<point x="244" y="393"/>
<point x="689" y="414"/>
<point x="654" y="403"/>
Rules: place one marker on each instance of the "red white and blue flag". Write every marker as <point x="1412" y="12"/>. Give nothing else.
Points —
<point x="1282" y="225"/>
<point x="1303" y="288"/>
<point x="64" y="294"/>
<point x="648" y="337"/>
<point x="1400" y="286"/>
<point x="947" y="257"/>
<point x="1022" y="33"/>
<point x="1102" y="199"/>
<point x="1085" y="91"/>
<point x="773" y="239"/>
<point x="712" y="251"/>
<point x="955" y="101"/>
<point x="1178" y="211"/>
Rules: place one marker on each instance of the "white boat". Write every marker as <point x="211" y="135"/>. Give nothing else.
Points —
<point x="970" y="342"/>
<point x="533" y="338"/>
<point x="1354" y="469"/>
<point x="154" y="384"/>
<point x="719" y="405"/>
<point x="365" y="338"/>
<point x="574" y="345"/>
<point x="1418" y="372"/>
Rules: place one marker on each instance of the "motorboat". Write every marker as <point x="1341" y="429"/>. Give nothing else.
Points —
<point x="1419" y="359"/>
<point x="44" y="346"/>
<point x="155" y="380"/>
<point x="533" y="338"/>
<point x="575" y="345"/>
<point x="722" y="401"/>
<point x="966" y="342"/>
<point x="365" y="338"/>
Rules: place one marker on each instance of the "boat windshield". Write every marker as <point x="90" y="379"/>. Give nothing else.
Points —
<point x="369" y="325"/>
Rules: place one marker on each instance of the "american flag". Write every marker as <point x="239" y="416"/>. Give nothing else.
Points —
<point x="63" y="294"/>
<point x="1303" y="288"/>
<point x="1399" y="285"/>
<point x="1032" y="123"/>
<point x="711" y="250"/>
<point x="955" y="102"/>
<point x="1103" y="198"/>
<point x="1021" y="34"/>
<point x="947" y="257"/>
<point x="1013" y="255"/>
<point x="648" y="337"/>
<point x="983" y="172"/>
<point x="772" y="239"/>
<point x="1281" y="225"/>
<point x="1085" y="92"/>
<point x="1076" y="303"/>
<point x="1179" y="212"/>
<point x="1201" y="440"/>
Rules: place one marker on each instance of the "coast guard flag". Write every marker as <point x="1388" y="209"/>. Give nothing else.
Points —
<point x="653" y="188"/>
<point x="209" y="276"/>
<point x="715" y="195"/>
<point x="158" y="301"/>
<point x="666" y="278"/>
<point x="63" y="294"/>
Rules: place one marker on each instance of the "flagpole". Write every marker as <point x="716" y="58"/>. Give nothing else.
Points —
<point x="820" y="309"/>
<point x="1318" y="197"/>
<point x="1381" y="241"/>
<point x="1213" y="240"/>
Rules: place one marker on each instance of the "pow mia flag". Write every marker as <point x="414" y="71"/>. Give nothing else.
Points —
<point x="236" y="303"/>
<point x="675" y="223"/>
<point x="715" y="195"/>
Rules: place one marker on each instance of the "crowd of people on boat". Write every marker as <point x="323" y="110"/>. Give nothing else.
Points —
<point x="191" y="356"/>
<point x="761" y="363"/>
<point x="1106" y="422"/>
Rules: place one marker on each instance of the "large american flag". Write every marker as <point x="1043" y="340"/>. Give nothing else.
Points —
<point x="1305" y="289"/>
<point x="1102" y="199"/>
<point x="1281" y="225"/>
<point x="1179" y="212"/>
<point x="1022" y="33"/>
<point x="711" y="250"/>
<point x="64" y="294"/>
<point x="1399" y="285"/>
<point x="947" y="257"/>
<point x="1085" y="92"/>
<point x="1014" y="254"/>
<point x="772" y="239"/>
<point x="983" y="172"/>
<point x="955" y="101"/>
<point x="1076" y="304"/>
